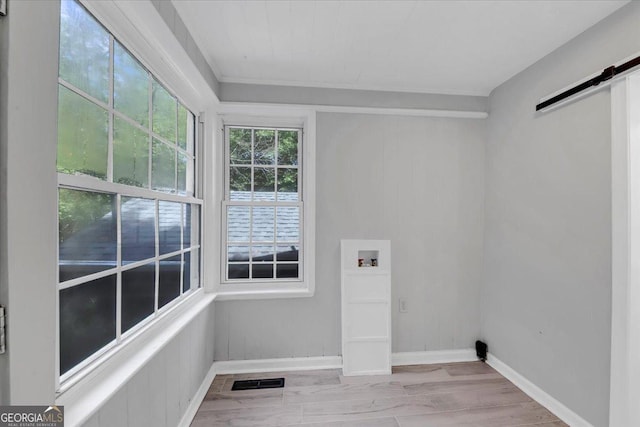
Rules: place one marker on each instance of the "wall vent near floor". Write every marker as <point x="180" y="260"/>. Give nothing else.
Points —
<point x="258" y="384"/>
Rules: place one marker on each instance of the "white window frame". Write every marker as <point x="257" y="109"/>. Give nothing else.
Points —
<point x="105" y="14"/>
<point x="299" y="204"/>
<point x="271" y="116"/>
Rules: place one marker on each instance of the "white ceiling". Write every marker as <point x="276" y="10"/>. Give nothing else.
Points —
<point x="453" y="47"/>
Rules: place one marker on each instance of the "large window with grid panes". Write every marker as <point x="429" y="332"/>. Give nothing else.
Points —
<point x="263" y="205"/>
<point x="128" y="198"/>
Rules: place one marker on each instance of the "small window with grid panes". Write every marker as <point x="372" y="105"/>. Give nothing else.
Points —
<point x="263" y="204"/>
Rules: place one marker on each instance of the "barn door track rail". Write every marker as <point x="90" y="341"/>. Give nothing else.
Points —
<point x="607" y="74"/>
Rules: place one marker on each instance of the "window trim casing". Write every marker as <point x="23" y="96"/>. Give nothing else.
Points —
<point x="265" y="115"/>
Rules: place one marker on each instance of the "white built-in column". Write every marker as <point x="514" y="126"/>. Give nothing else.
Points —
<point x="366" y="307"/>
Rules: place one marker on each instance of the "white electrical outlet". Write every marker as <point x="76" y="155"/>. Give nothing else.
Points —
<point x="402" y="305"/>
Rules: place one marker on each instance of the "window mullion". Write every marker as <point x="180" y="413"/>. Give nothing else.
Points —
<point x="157" y="252"/>
<point x="85" y="279"/>
<point x="275" y="238"/>
<point x="175" y="148"/>
<point x="89" y="183"/>
<point x="253" y="155"/>
<point x="150" y="133"/>
<point x="82" y="93"/>
<point x="275" y="165"/>
<point x="251" y="209"/>
<point x="250" y="243"/>
<point x="120" y="116"/>
<point x="118" y="266"/>
<point x="111" y="107"/>
<point x="263" y="203"/>
<point x="183" y="214"/>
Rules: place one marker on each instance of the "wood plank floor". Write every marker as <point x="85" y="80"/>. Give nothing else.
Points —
<point x="454" y="394"/>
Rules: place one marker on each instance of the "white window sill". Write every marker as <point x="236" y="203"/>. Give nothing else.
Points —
<point x="230" y="292"/>
<point x="85" y="396"/>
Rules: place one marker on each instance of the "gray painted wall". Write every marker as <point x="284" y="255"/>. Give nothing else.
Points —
<point x="546" y="306"/>
<point x="240" y="92"/>
<point x="417" y="181"/>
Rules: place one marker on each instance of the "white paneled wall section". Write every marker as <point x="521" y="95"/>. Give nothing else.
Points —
<point x="366" y="307"/>
<point x="160" y="394"/>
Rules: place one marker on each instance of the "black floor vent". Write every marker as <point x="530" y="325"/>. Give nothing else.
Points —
<point x="257" y="384"/>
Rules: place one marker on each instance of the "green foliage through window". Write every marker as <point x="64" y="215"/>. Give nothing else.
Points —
<point x="130" y="154"/>
<point x="84" y="51"/>
<point x="130" y="86"/>
<point x="143" y="109"/>
<point x="83" y="135"/>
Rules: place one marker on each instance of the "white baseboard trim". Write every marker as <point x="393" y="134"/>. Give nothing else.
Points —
<point x="536" y="393"/>
<point x="285" y="364"/>
<point x="335" y="362"/>
<point x="197" y="399"/>
<point x="437" y="356"/>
